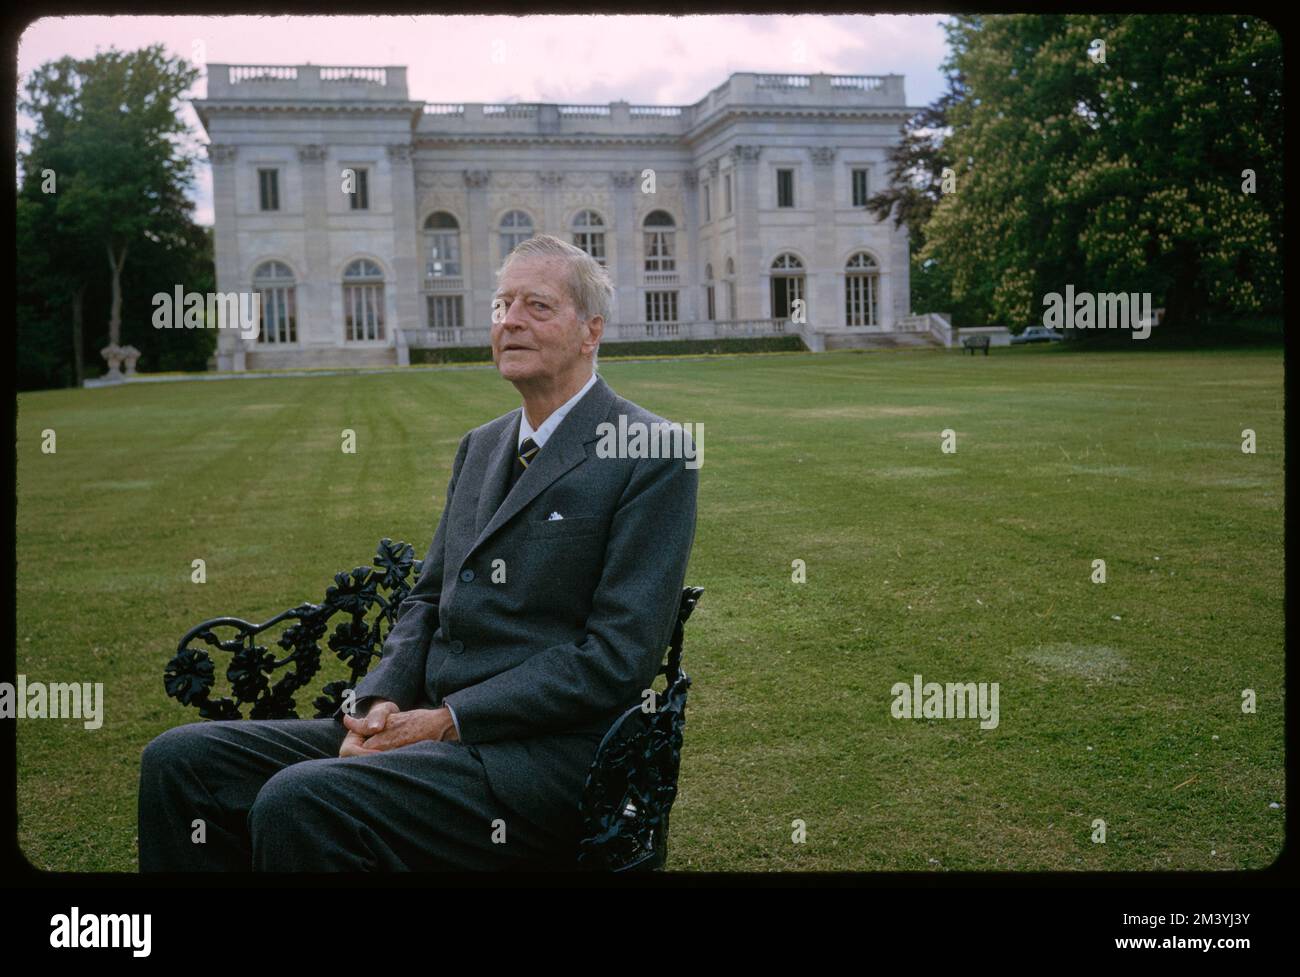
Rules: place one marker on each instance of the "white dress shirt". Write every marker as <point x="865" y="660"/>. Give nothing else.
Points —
<point x="539" y="437"/>
<point x="551" y="423"/>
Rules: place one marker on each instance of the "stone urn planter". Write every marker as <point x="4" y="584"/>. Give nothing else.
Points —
<point x="115" y="356"/>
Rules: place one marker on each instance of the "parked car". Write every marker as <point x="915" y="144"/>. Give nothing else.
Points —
<point x="1037" y="334"/>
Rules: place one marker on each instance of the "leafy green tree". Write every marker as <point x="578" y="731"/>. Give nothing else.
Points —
<point x="109" y="131"/>
<point x="1122" y="174"/>
<point x="917" y="166"/>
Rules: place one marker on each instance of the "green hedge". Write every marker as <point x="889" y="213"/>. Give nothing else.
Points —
<point x="680" y="347"/>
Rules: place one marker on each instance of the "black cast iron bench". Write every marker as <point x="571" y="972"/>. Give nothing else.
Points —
<point x="973" y="343"/>
<point x="632" y="782"/>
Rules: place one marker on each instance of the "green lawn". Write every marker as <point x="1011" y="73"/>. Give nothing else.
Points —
<point x="1119" y="701"/>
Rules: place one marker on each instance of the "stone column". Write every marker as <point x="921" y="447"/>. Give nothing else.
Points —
<point x="716" y="252"/>
<point x="550" y="183"/>
<point x="626" y="278"/>
<point x="900" y="275"/>
<point x="749" y="255"/>
<point x="825" y="308"/>
<point x="225" y="246"/>
<point x="477" y="256"/>
<point x="316" y="325"/>
<point x="688" y="258"/>
<point x="407" y="273"/>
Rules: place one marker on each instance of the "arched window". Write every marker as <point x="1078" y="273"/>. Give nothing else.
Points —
<point x="516" y="227"/>
<point x="731" y="290"/>
<point x="861" y="286"/>
<point x="787" y="285"/>
<point x="441" y="246"/>
<point x="710" y="309"/>
<point x="278" y="316"/>
<point x="363" y="301"/>
<point x="589" y="234"/>
<point x="660" y="251"/>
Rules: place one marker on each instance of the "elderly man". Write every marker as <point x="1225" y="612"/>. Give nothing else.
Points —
<point x="542" y="612"/>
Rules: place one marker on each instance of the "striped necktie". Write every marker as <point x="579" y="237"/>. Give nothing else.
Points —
<point x="523" y="458"/>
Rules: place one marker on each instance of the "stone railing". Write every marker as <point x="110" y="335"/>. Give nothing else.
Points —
<point x="742" y="89"/>
<point x="616" y="332"/>
<point x="447" y="337"/>
<point x="937" y="324"/>
<point x="306" y="82"/>
<point x="388" y="82"/>
<point x="366" y="76"/>
<point x="628" y="332"/>
<point x="242" y="74"/>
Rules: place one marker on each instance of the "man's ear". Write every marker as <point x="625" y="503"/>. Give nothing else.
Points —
<point x="595" y="330"/>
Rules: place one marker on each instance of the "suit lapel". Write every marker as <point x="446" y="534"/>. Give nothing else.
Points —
<point x="498" y="473"/>
<point x="564" y="450"/>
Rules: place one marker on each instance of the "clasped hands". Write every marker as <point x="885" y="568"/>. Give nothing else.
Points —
<point x="386" y="727"/>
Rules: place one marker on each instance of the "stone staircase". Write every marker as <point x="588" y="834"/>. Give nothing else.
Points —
<point x="881" y="340"/>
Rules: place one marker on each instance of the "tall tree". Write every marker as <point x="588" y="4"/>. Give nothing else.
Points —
<point x="917" y="165"/>
<point x="1117" y="172"/>
<point x="109" y="130"/>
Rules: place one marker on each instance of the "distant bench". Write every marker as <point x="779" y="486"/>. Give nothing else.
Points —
<point x="973" y="343"/>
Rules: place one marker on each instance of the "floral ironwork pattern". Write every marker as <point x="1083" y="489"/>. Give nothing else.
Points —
<point x="632" y="783"/>
<point x="191" y="674"/>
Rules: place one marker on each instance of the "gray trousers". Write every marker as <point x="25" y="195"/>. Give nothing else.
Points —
<point x="274" y="795"/>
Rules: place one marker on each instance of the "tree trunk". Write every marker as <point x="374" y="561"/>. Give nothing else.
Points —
<point x="115" y="265"/>
<point x="78" y="367"/>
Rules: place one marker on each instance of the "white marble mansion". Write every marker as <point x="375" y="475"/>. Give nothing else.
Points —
<point x="372" y="224"/>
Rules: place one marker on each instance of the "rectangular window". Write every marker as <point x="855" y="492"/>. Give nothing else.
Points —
<point x="268" y="189"/>
<point x="860" y="296"/>
<point x="660" y="306"/>
<point x="446" y="314"/>
<point x="593" y="242"/>
<point x="785" y="188"/>
<point x="786" y="290"/>
<point x="708" y="208"/>
<point x="859" y="188"/>
<point x="279" y="321"/>
<point x="360" y="195"/>
<point x="659" y="252"/>
<point x="444" y="254"/>
<point x="710" y="311"/>
<point x="363" y="306"/>
<point x="731" y="301"/>
<point x="726" y="192"/>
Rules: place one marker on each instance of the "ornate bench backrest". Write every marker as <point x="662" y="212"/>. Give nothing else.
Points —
<point x="190" y="675"/>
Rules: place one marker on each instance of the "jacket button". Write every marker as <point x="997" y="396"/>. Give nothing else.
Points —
<point x="467" y="575"/>
<point x="457" y="647"/>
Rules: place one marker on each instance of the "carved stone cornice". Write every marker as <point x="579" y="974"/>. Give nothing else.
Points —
<point x="312" y="154"/>
<point x="714" y="165"/>
<point x="400" y="152"/>
<point x="823" y="155"/>
<point x="477" y="179"/>
<point x="691" y="179"/>
<point x="624" y="181"/>
<point x="745" y="154"/>
<point x="221" y="152"/>
<point x="551" y="179"/>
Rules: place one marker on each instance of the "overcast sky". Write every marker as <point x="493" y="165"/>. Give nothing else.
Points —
<point x="580" y="59"/>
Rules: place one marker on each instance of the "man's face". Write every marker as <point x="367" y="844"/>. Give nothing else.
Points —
<point x="536" y="331"/>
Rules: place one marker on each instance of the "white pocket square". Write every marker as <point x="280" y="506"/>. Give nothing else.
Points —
<point x="553" y="516"/>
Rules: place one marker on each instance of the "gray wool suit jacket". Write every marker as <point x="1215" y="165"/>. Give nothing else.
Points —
<point x="539" y="665"/>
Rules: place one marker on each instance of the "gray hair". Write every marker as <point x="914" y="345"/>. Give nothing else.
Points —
<point x="589" y="284"/>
